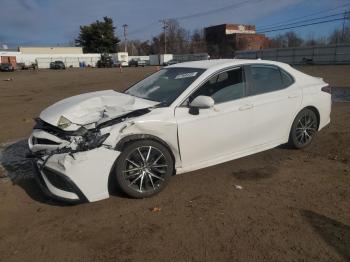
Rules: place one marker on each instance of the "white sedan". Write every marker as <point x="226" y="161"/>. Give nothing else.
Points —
<point x="182" y="118"/>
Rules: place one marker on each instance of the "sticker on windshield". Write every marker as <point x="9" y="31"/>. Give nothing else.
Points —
<point x="186" y="75"/>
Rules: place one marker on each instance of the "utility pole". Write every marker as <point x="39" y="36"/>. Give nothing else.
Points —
<point x="165" y="27"/>
<point x="125" y="39"/>
<point x="346" y="17"/>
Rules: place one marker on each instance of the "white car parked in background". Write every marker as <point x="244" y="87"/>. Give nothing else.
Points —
<point x="184" y="117"/>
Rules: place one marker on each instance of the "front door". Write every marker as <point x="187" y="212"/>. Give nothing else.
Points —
<point x="216" y="133"/>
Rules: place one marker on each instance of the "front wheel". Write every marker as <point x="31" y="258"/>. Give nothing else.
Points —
<point x="144" y="168"/>
<point x="304" y="129"/>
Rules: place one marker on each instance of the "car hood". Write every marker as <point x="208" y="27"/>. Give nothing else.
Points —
<point x="92" y="108"/>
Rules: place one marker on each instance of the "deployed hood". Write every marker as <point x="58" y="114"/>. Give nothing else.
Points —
<point x="95" y="107"/>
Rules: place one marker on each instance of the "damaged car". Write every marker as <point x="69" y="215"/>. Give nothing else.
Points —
<point x="182" y="118"/>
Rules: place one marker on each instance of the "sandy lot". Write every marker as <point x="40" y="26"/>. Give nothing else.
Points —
<point x="293" y="205"/>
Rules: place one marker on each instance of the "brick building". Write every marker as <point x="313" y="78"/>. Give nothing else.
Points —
<point x="223" y="40"/>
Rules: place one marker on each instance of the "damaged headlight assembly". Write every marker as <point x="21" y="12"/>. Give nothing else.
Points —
<point x="91" y="140"/>
<point x="80" y="140"/>
<point x="83" y="139"/>
<point x="63" y="122"/>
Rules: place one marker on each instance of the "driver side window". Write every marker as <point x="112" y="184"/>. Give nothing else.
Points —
<point x="223" y="87"/>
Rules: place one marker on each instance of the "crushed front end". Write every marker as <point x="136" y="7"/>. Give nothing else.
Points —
<point x="72" y="166"/>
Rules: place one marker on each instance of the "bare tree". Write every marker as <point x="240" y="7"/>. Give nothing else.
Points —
<point x="277" y="41"/>
<point x="289" y="39"/>
<point x="198" y="43"/>
<point x="293" y="40"/>
<point x="177" y="39"/>
<point x="340" y="36"/>
<point x="311" y="40"/>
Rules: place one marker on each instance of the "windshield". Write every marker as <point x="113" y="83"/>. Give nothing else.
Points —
<point x="165" y="85"/>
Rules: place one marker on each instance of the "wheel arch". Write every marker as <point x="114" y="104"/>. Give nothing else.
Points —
<point x="316" y="111"/>
<point x="112" y="186"/>
<point x="310" y="107"/>
<point x="136" y="137"/>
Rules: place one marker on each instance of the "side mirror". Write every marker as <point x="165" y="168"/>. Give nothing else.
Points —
<point x="201" y="102"/>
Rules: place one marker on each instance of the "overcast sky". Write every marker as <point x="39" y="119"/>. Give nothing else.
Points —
<point x="51" y="22"/>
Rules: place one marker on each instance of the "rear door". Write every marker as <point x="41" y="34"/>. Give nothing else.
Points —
<point x="275" y="97"/>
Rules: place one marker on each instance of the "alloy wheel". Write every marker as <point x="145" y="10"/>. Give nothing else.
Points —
<point x="145" y="169"/>
<point x="306" y="128"/>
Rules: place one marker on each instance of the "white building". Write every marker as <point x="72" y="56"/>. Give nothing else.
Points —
<point x="43" y="56"/>
<point x="50" y="50"/>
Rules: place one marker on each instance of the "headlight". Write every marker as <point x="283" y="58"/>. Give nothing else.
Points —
<point x="97" y="140"/>
<point x="92" y="140"/>
<point x="63" y="122"/>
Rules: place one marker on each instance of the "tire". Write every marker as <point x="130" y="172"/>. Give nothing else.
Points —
<point x="143" y="168"/>
<point x="304" y="129"/>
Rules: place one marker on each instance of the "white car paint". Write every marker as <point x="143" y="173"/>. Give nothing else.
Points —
<point x="86" y="169"/>
<point x="93" y="107"/>
<point x="217" y="134"/>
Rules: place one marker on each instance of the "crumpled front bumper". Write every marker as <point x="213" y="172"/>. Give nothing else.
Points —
<point x="77" y="177"/>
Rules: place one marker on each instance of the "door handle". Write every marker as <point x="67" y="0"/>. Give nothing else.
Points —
<point x="245" y="107"/>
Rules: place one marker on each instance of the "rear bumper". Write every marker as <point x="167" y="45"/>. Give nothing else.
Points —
<point x="325" y="109"/>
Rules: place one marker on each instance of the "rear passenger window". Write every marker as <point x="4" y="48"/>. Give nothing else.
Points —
<point x="287" y="80"/>
<point x="266" y="78"/>
<point x="223" y="87"/>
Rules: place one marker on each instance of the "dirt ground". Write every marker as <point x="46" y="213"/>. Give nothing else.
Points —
<point x="279" y="205"/>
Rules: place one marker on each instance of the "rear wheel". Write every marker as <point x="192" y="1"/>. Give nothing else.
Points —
<point x="144" y="168"/>
<point x="304" y="129"/>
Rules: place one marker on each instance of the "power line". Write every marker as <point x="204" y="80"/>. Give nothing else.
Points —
<point x="221" y="9"/>
<point x="291" y="27"/>
<point x="264" y="29"/>
<point x="199" y="14"/>
<point x="345" y="17"/>
<point x="301" y="17"/>
<point x="143" y="28"/>
<point x="302" y="21"/>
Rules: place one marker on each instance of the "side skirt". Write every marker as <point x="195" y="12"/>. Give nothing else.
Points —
<point x="231" y="156"/>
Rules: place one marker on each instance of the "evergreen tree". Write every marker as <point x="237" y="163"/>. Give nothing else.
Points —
<point x="98" y="37"/>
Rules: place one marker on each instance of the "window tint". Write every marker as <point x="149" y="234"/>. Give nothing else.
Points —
<point x="224" y="87"/>
<point x="265" y="79"/>
<point x="287" y="80"/>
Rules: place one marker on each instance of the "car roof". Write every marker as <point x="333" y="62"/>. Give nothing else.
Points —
<point x="222" y="63"/>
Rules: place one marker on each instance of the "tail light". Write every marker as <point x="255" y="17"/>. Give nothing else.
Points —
<point x="327" y="89"/>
